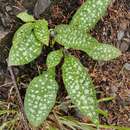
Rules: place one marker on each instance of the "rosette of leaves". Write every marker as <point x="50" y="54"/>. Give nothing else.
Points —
<point x="27" y="45"/>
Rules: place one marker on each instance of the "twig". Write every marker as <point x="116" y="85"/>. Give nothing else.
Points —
<point x="20" y="103"/>
<point x="9" y="83"/>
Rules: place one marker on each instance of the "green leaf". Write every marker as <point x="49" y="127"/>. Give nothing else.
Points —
<point x="77" y="39"/>
<point x="24" y="16"/>
<point x="89" y="14"/>
<point x="74" y="124"/>
<point x="104" y="52"/>
<point x="52" y="128"/>
<point x="25" y="46"/>
<point x="72" y="38"/>
<point x="41" y="31"/>
<point x="80" y="87"/>
<point x="84" y="127"/>
<point x="54" y="58"/>
<point x="40" y="97"/>
<point x="65" y="120"/>
<point x="103" y="112"/>
<point x="106" y="99"/>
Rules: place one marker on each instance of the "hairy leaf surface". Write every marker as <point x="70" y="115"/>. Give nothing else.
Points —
<point x="54" y="58"/>
<point x="24" y="16"/>
<point x="40" y="97"/>
<point x="89" y="14"/>
<point x="77" y="39"/>
<point x="80" y="87"/>
<point x="25" y="46"/>
<point x="41" y="31"/>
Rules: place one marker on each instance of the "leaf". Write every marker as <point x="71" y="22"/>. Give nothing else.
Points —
<point x="25" y="46"/>
<point x="80" y="87"/>
<point x="52" y="128"/>
<point x="104" y="52"/>
<point x="89" y="14"/>
<point x="85" y="127"/>
<point x="65" y="120"/>
<point x="54" y="58"/>
<point x="72" y="38"/>
<point x="25" y="17"/>
<point x="40" y="97"/>
<point x="106" y="99"/>
<point x="69" y="121"/>
<point x="41" y="31"/>
<point x="77" y="39"/>
<point x="74" y="124"/>
<point x="103" y="112"/>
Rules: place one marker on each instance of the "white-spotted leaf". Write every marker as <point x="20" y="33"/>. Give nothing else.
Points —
<point x="72" y="38"/>
<point x="54" y="58"/>
<point x="77" y="39"/>
<point x="89" y="14"/>
<point x="104" y="52"/>
<point x="25" y="46"/>
<point x="80" y="87"/>
<point x="41" y="31"/>
<point x="40" y="97"/>
<point x="25" y="17"/>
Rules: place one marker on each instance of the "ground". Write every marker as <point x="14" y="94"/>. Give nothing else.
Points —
<point x="111" y="79"/>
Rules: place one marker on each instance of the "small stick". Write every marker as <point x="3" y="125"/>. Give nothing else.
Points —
<point x="20" y="102"/>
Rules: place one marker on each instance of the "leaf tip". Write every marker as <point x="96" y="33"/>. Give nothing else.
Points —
<point x="25" y="17"/>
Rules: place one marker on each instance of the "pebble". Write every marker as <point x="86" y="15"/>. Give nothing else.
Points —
<point x="8" y="8"/>
<point x="127" y="66"/>
<point x="120" y="35"/>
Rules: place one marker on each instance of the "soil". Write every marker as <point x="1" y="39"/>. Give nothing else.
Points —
<point x="110" y="78"/>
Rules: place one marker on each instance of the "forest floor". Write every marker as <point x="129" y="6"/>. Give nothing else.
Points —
<point x="112" y="79"/>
